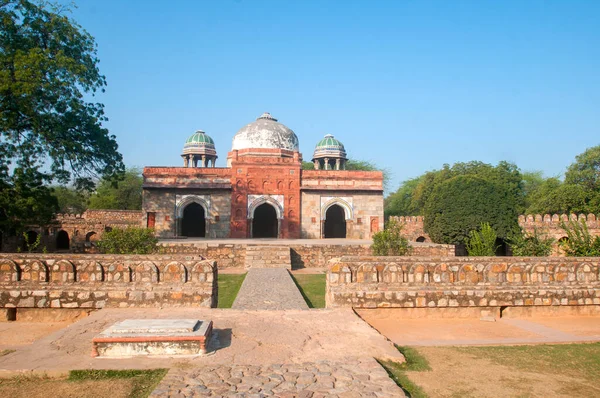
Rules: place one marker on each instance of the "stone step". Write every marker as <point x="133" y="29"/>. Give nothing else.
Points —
<point x="268" y="257"/>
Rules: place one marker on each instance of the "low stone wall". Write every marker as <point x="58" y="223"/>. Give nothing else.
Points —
<point x="302" y="255"/>
<point x="98" y="281"/>
<point x="414" y="282"/>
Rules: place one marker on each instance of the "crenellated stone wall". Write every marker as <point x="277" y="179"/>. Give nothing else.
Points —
<point x="305" y="255"/>
<point x="417" y="282"/>
<point x="98" y="281"/>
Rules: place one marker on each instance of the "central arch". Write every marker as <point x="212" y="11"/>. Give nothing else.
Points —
<point x="335" y="222"/>
<point x="193" y="222"/>
<point x="264" y="222"/>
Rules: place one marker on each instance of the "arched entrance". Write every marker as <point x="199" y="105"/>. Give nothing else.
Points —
<point x="335" y="222"/>
<point x="421" y="239"/>
<point x="62" y="240"/>
<point x="193" y="223"/>
<point x="264" y="222"/>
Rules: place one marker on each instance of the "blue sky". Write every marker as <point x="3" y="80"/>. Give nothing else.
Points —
<point x="408" y="85"/>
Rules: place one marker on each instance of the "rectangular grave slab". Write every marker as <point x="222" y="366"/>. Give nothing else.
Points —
<point x="153" y="337"/>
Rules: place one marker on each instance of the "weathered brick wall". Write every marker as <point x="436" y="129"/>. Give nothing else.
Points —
<point x="414" y="282"/>
<point x="302" y="255"/>
<point x="98" y="281"/>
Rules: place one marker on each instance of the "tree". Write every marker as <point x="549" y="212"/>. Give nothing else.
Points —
<point x="70" y="200"/>
<point x="401" y="202"/>
<point x="120" y="195"/>
<point x="580" y="242"/>
<point x="48" y="132"/>
<point x="531" y="244"/>
<point x="585" y="171"/>
<point x="461" y="204"/>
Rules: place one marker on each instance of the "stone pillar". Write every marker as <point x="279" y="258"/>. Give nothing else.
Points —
<point x="203" y="160"/>
<point x="317" y="164"/>
<point x="326" y="163"/>
<point x="185" y="161"/>
<point x="337" y="164"/>
<point x="214" y="161"/>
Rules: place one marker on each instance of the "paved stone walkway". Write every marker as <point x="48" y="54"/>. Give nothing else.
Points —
<point x="269" y="289"/>
<point x="356" y="377"/>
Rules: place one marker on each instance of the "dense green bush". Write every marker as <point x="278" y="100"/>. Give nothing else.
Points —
<point x="534" y="244"/>
<point x="131" y="240"/>
<point x="390" y="241"/>
<point x="579" y="243"/>
<point x="482" y="242"/>
<point x="461" y="204"/>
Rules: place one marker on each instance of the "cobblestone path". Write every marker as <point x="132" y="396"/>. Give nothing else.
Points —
<point x="356" y="377"/>
<point x="269" y="289"/>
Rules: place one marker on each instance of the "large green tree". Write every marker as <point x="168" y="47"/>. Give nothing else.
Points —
<point x="585" y="171"/>
<point x="125" y="194"/>
<point x="50" y="132"/>
<point x="463" y="203"/>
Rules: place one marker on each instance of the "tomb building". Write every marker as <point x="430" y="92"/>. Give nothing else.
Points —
<point x="263" y="192"/>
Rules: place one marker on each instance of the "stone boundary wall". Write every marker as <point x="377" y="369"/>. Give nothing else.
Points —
<point x="413" y="282"/>
<point x="548" y="224"/>
<point x="302" y="255"/>
<point x="98" y="281"/>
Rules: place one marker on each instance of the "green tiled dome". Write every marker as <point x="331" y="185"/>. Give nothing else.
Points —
<point x="329" y="147"/>
<point x="329" y="141"/>
<point x="200" y="137"/>
<point x="199" y="143"/>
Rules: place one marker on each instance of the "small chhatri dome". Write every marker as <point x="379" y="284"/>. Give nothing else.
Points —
<point x="200" y="137"/>
<point x="330" y="154"/>
<point x="199" y="149"/>
<point x="330" y="147"/>
<point x="265" y="132"/>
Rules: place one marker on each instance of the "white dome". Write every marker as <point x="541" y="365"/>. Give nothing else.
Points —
<point x="265" y="132"/>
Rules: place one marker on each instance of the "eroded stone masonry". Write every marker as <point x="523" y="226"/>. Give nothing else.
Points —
<point x="412" y="282"/>
<point x="98" y="281"/>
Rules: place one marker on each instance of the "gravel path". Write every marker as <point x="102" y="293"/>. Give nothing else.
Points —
<point x="269" y="289"/>
<point x="356" y="377"/>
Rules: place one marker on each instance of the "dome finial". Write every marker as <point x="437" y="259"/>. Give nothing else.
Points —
<point x="267" y="116"/>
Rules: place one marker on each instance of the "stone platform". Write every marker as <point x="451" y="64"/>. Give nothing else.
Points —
<point x="153" y="337"/>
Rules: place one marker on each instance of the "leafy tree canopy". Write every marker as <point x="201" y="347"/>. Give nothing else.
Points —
<point x="125" y="194"/>
<point x="461" y="204"/>
<point x="585" y="171"/>
<point x="413" y="195"/>
<point x="48" y="131"/>
<point x="70" y="200"/>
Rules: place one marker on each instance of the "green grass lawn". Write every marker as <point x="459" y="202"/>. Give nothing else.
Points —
<point x="312" y="287"/>
<point x="144" y="381"/>
<point x="229" y="286"/>
<point x="414" y="362"/>
<point x="573" y="368"/>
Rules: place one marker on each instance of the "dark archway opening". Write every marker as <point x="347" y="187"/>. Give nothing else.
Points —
<point x="193" y="223"/>
<point x="62" y="240"/>
<point x="421" y="239"/>
<point x="335" y="222"/>
<point x="264" y="223"/>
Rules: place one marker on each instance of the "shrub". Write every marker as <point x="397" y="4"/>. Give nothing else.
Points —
<point x="482" y="242"/>
<point x="534" y="244"/>
<point x="131" y="240"/>
<point x="579" y="243"/>
<point x="390" y="241"/>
